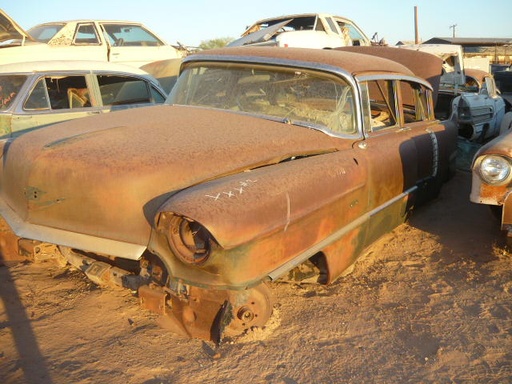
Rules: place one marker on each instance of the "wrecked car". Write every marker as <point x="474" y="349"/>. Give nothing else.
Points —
<point x="303" y="30"/>
<point x="100" y="40"/>
<point x="479" y="108"/>
<point x="466" y="95"/>
<point x="492" y="180"/>
<point x="37" y="94"/>
<point x="262" y="161"/>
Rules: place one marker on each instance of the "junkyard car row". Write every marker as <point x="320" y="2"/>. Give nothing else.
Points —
<point x="261" y="161"/>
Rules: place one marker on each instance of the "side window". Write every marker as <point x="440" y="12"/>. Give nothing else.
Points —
<point x="355" y="35"/>
<point x="67" y="92"/>
<point x="58" y="92"/>
<point x="86" y="34"/>
<point x="332" y="25"/>
<point x="157" y="96"/>
<point x="414" y="102"/>
<point x="38" y="98"/>
<point x="130" y="35"/>
<point x="381" y="104"/>
<point x="123" y="90"/>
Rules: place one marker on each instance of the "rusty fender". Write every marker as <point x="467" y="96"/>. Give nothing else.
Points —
<point x="264" y="218"/>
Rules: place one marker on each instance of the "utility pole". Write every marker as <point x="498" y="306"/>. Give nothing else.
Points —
<point x="453" y="28"/>
<point x="416" y="29"/>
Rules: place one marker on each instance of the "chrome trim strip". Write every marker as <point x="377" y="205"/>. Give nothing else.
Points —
<point x="70" y="239"/>
<point x="299" y="259"/>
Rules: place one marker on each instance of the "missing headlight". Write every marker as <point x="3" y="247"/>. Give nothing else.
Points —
<point x="189" y="240"/>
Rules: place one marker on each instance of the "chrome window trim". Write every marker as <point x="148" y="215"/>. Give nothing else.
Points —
<point x="317" y="67"/>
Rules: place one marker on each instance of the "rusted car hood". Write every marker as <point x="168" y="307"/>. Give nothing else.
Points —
<point x="107" y="181"/>
<point x="502" y="145"/>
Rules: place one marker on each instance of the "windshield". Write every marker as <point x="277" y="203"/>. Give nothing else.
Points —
<point x="295" y="96"/>
<point x="44" y="33"/>
<point x="10" y="86"/>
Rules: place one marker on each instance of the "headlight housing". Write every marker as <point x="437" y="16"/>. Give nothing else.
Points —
<point x="463" y="109"/>
<point x="189" y="240"/>
<point x="494" y="169"/>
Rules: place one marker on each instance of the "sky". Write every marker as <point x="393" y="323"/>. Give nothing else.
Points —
<point x="191" y="22"/>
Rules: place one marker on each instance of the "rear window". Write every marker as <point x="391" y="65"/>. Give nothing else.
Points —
<point x="44" y="33"/>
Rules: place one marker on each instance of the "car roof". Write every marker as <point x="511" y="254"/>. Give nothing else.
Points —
<point x="69" y="65"/>
<point x="354" y="63"/>
<point x="478" y="74"/>
<point x="89" y="21"/>
<point x="294" y="16"/>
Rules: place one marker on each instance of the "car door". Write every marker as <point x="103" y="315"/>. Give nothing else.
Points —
<point x="54" y="98"/>
<point x="135" y="45"/>
<point x="88" y="43"/>
<point x="417" y="120"/>
<point x="497" y="104"/>
<point x="391" y="156"/>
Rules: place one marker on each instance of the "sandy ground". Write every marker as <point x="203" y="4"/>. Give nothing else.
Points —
<point x="430" y="303"/>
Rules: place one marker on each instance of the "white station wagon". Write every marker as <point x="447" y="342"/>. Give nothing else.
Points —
<point x="114" y="41"/>
<point x="36" y="94"/>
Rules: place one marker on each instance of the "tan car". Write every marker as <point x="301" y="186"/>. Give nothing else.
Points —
<point x="114" y="41"/>
<point x="34" y="95"/>
<point x="263" y="161"/>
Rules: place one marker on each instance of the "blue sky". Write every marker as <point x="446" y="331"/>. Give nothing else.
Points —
<point x="193" y="21"/>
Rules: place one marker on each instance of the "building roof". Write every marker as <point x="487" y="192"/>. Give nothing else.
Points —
<point x="467" y="41"/>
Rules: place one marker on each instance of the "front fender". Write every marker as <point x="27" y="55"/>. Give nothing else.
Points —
<point x="250" y="205"/>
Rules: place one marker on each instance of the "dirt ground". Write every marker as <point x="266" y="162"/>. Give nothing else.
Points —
<point x="430" y="303"/>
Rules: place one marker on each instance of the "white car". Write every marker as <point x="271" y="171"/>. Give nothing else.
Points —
<point x="312" y="30"/>
<point x="114" y="41"/>
<point x="36" y="94"/>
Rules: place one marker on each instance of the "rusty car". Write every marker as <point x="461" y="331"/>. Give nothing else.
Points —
<point x="262" y="161"/>
<point x="117" y="41"/>
<point x="36" y="94"/>
<point x="492" y="180"/>
<point x="308" y="30"/>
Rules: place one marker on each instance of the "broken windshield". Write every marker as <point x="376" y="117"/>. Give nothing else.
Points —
<point x="286" y="94"/>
